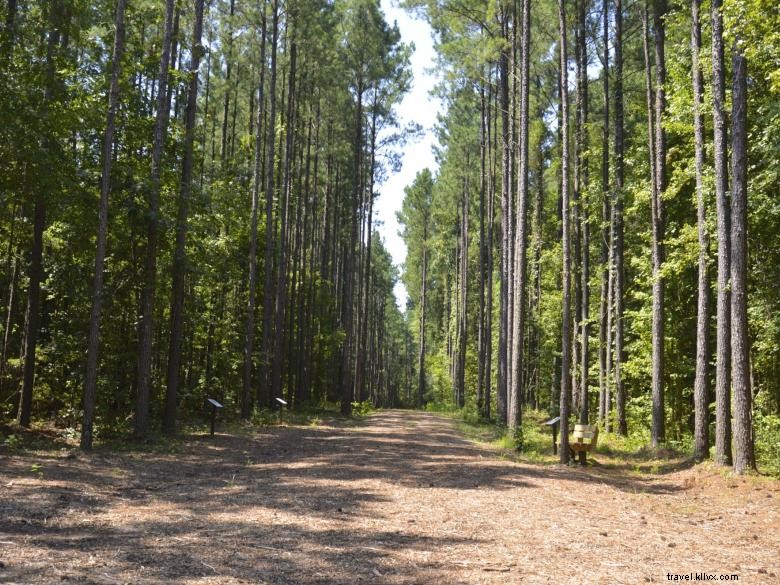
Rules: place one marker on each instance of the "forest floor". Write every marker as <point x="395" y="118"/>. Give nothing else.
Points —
<point x="401" y="497"/>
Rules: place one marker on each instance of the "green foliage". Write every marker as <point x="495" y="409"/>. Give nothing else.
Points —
<point x="767" y="429"/>
<point x="362" y="409"/>
<point x="12" y="441"/>
<point x="52" y="123"/>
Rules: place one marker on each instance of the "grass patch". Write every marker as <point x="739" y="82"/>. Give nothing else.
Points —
<point x="536" y="438"/>
<point x="630" y="453"/>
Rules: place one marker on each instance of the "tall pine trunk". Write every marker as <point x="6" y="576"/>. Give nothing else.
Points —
<point x="506" y="175"/>
<point x="423" y="304"/>
<point x="744" y="451"/>
<point x="723" y="210"/>
<point x="566" y="338"/>
<point x="249" y="321"/>
<point x="606" y="213"/>
<point x="701" y="388"/>
<point x="179" y="267"/>
<point x="146" y="327"/>
<point x="278" y="361"/>
<point x="521" y="229"/>
<point x="582" y="187"/>
<point x="90" y="386"/>
<point x="35" y="271"/>
<point x="658" y="429"/>
<point x="269" y="290"/>
<point x="620" y="390"/>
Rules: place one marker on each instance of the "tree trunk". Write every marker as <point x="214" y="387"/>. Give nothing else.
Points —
<point x="620" y="391"/>
<point x="701" y="389"/>
<point x="13" y="282"/>
<point x="269" y="290"/>
<point x="90" y="386"/>
<point x="744" y="452"/>
<point x="582" y="187"/>
<point x="658" y="430"/>
<point x="503" y="319"/>
<point x="10" y="24"/>
<point x="720" y="160"/>
<point x="146" y="328"/>
<point x="35" y="273"/>
<point x="566" y="338"/>
<point x="481" y="341"/>
<point x="32" y="316"/>
<point x="249" y="322"/>
<point x="606" y="214"/>
<point x="179" y="268"/>
<point x="347" y="387"/>
<point x="463" y="296"/>
<point x="228" y="70"/>
<point x="423" y="303"/>
<point x="283" y="261"/>
<point x="360" y="371"/>
<point x="521" y="237"/>
<point x="489" y="301"/>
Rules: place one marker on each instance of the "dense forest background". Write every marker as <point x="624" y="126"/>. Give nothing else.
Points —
<point x="572" y="252"/>
<point x="187" y="212"/>
<point x="221" y="157"/>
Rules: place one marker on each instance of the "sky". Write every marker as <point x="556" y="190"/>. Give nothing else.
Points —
<point x="417" y="106"/>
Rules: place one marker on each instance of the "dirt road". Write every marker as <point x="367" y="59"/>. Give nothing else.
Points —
<point x="401" y="498"/>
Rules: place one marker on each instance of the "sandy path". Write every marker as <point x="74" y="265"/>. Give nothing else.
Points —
<point x="402" y="498"/>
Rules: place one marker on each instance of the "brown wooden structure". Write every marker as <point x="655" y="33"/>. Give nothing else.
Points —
<point x="583" y="439"/>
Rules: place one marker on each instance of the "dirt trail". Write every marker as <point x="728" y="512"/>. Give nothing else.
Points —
<point x="402" y="498"/>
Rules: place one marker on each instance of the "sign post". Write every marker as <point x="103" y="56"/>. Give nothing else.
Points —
<point x="553" y="424"/>
<point x="214" y="406"/>
<point x="282" y="403"/>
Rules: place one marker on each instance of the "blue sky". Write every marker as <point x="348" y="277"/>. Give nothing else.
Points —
<point x="417" y="106"/>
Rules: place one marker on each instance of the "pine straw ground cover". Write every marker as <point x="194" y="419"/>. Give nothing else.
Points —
<point x="401" y="498"/>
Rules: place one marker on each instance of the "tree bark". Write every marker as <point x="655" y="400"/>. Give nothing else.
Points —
<point x="744" y="452"/>
<point x="269" y="291"/>
<point x="32" y="316"/>
<point x="701" y="388"/>
<point x="491" y="228"/>
<point x="723" y="210"/>
<point x="179" y="268"/>
<point x="521" y="229"/>
<point x="566" y="339"/>
<point x="347" y="388"/>
<point x="658" y="430"/>
<point x="35" y="272"/>
<point x="582" y="187"/>
<point x="249" y="321"/>
<point x="146" y="327"/>
<point x="228" y="71"/>
<point x="606" y="214"/>
<point x="423" y="303"/>
<point x="503" y="333"/>
<point x="620" y="390"/>
<point x="93" y="342"/>
<point x="481" y="317"/>
<point x="283" y="260"/>
<point x="463" y="296"/>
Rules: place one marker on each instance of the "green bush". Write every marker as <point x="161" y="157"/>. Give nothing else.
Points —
<point x="767" y="430"/>
<point x="361" y="409"/>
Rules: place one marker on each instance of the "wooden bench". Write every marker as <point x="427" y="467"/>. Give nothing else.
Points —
<point x="583" y="439"/>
